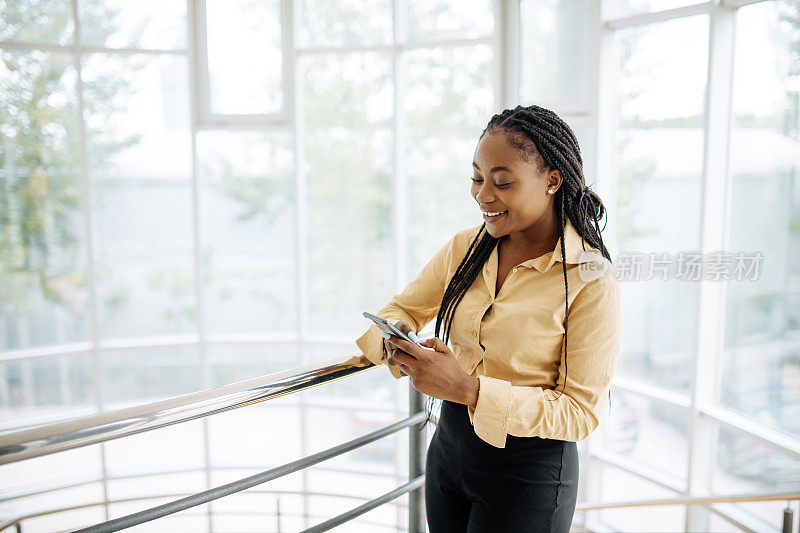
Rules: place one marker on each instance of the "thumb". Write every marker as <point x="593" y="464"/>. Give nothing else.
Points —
<point x="436" y="343"/>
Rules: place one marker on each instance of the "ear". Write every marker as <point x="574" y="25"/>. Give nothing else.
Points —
<point x="554" y="179"/>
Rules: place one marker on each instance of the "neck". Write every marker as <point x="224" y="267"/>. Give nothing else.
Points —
<point x="542" y="235"/>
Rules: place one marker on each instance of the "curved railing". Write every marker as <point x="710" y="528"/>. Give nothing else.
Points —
<point x="701" y="500"/>
<point x="70" y="434"/>
<point x="52" y="438"/>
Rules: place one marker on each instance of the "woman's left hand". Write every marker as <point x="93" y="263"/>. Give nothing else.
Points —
<point x="433" y="370"/>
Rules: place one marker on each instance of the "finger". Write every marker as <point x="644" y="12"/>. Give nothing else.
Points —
<point x="402" y="344"/>
<point x="436" y="343"/>
<point x="403" y="326"/>
<point x="398" y="357"/>
<point x="408" y="330"/>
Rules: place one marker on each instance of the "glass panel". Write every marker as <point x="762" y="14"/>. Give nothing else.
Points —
<point x="52" y="470"/>
<point x="555" y="52"/>
<point x="46" y="385"/>
<point x="230" y="363"/>
<point x="334" y="426"/>
<point x="623" y="8"/>
<point x="717" y="524"/>
<point x="144" y="259"/>
<point x="650" y="431"/>
<point x="132" y="375"/>
<point x="248" y="231"/>
<point x="619" y="485"/>
<point x="254" y="511"/>
<point x="353" y="489"/>
<point x="746" y="465"/>
<point x="140" y="162"/>
<point x="348" y="105"/>
<point x="761" y="367"/>
<point x="449" y="19"/>
<point x="258" y="436"/>
<point x="133" y="484"/>
<point x="37" y="21"/>
<point x="63" y="521"/>
<point x="43" y="296"/>
<point x="449" y="101"/>
<point x="237" y="34"/>
<point x="137" y="116"/>
<point x="345" y="22"/>
<point x="149" y="24"/>
<point x="166" y="449"/>
<point x="661" y="84"/>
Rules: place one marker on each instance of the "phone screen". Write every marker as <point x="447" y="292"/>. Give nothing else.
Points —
<point x="388" y="327"/>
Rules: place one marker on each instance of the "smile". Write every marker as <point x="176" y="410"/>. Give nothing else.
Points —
<point x="491" y="217"/>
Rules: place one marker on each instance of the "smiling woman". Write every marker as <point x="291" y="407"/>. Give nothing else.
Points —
<point x="504" y="453"/>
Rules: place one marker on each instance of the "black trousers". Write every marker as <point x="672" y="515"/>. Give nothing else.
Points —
<point x="531" y="485"/>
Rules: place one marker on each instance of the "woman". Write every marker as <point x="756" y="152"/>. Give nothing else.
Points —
<point x="504" y="454"/>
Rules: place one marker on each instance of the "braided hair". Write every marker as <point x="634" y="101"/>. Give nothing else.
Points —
<point x="531" y="129"/>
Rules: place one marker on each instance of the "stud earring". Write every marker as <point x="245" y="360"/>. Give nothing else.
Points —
<point x="549" y="191"/>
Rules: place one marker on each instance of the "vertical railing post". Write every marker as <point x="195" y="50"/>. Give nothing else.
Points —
<point x="788" y="518"/>
<point x="417" y="448"/>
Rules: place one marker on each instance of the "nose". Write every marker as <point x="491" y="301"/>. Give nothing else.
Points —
<point x="484" y="196"/>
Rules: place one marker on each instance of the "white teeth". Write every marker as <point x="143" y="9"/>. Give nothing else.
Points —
<point x="493" y="214"/>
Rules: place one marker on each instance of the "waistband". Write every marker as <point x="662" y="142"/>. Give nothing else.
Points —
<point x="454" y="424"/>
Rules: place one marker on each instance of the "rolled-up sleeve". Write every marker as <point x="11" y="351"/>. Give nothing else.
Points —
<point x="417" y="305"/>
<point x="594" y="332"/>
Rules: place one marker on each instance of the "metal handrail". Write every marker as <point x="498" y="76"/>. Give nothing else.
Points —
<point x="12" y="522"/>
<point x="697" y="500"/>
<point x="693" y="500"/>
<point x="43" y="440"/>
<point x="251" y="481"/>
<point x="69" y="434"/>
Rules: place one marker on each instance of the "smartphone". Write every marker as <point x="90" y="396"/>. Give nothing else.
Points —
<point x="388" y="327"/>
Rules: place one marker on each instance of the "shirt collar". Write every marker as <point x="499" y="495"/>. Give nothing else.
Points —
<point x="574" y="247"/>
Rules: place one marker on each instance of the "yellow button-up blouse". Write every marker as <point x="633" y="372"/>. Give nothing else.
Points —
<point x="513" y="341"/>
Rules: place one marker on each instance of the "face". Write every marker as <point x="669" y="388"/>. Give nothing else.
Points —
<point x="503" y="182"/>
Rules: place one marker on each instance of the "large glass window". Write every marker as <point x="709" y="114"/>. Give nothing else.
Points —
<point x="347" y="101"/>
<point x="618" y="485"/>
<point x="761" y="365"/>
<point x="661" y="87"/>
<point x="247" y="216"/>
<point x="556" y="55"/>
<point x="448" y="90"/>
<point x="164" y="230"/>
<point x="178" y="237"/>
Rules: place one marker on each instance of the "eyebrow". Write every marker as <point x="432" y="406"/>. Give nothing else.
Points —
<point x="494" y="169"/>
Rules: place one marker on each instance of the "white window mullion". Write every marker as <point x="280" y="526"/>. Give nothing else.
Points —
<point x="605" y="135"/>
<point x="399" y="178"/>
<point x="202" y="346"/>
<point x="293" y="20"/>
<point x="89" y="243"/>
<point x="507" y="53"/>
<point x="714" y="206"/>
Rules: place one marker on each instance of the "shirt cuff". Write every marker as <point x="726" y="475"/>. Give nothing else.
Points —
<point x="371" y="345"/>
<point x="491" y="413"/>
